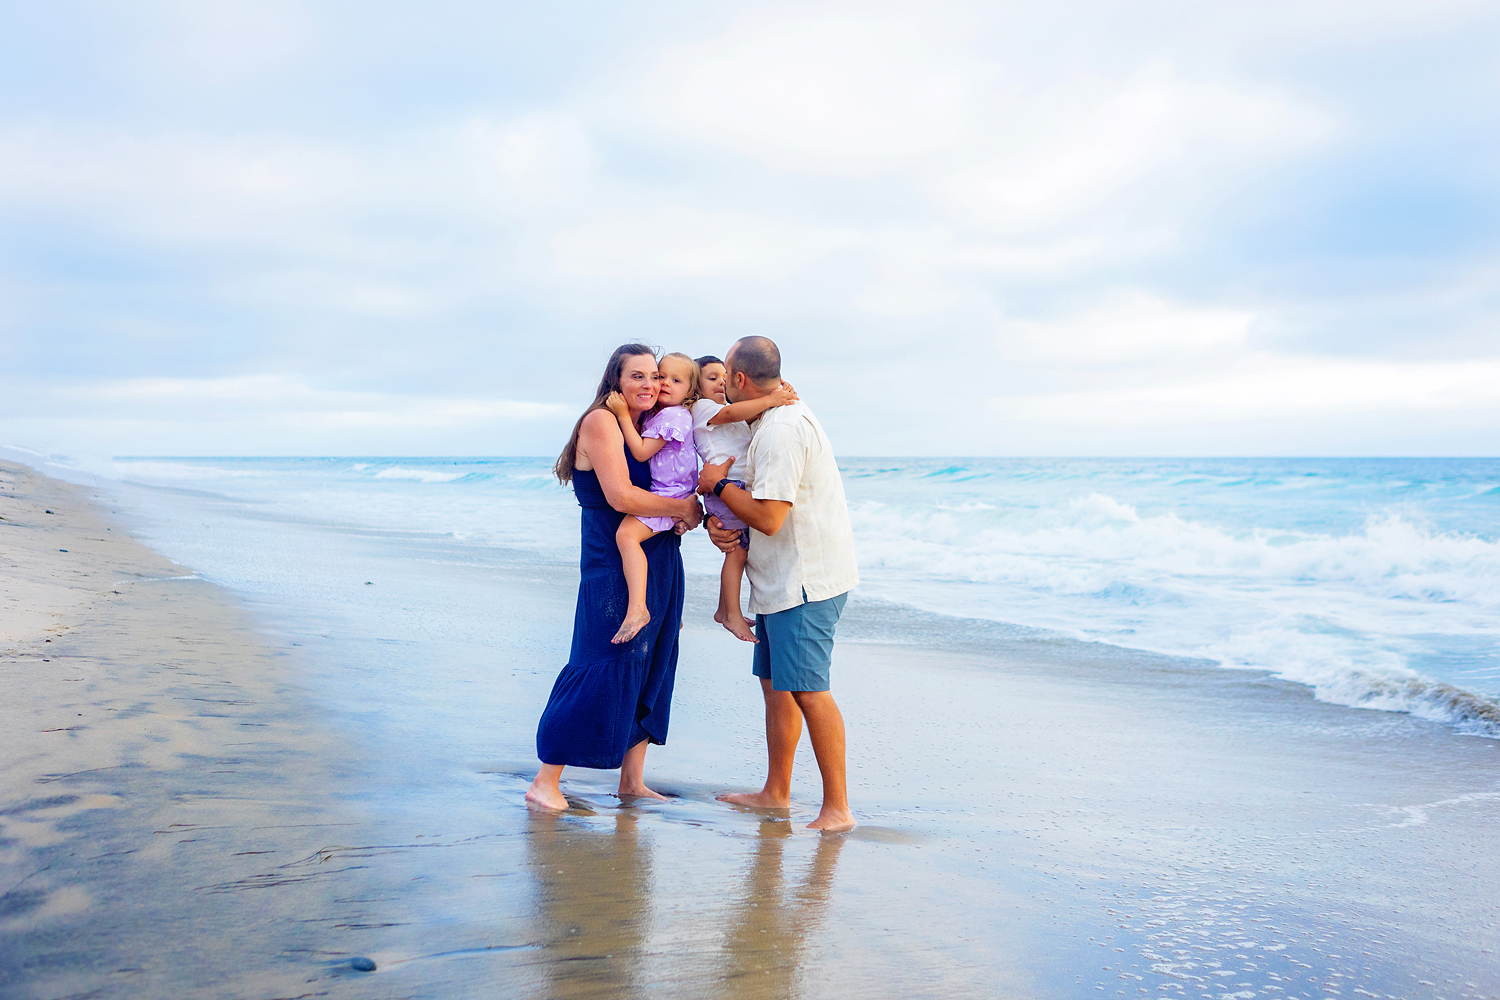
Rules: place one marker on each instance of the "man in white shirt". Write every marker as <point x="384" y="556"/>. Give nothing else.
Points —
<point x="801" y="568"/>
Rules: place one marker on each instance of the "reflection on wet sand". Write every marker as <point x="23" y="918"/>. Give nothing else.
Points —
<point x="608" y="924"/>
<point x="593" y="903"/>
<point x="771" y="930"/>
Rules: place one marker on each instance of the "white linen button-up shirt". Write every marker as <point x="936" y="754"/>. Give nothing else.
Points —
<point x="791" y="459"/>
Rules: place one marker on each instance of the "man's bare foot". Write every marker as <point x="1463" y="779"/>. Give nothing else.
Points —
<point x="546" y="797"/>
<point x="755" y="800"/>
<point x="833" y="821"/>
<point x="635" y="620"/>
<point x="639" y="791"/>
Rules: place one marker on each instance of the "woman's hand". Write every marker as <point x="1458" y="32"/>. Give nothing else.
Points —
<point x="784" y="394"/>
<point x="616" y="404"/>
<point x="724" y="539"/>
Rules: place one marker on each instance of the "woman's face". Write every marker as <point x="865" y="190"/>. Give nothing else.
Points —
<point x="638" y="382"/>
<point x="711" y="384"/>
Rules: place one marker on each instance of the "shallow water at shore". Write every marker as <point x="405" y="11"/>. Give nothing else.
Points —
<point x="1370" y="580"/>
<point x="1040" y="816"/>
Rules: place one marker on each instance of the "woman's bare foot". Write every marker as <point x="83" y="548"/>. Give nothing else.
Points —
<point x="746" y="631"/>
<point x="833" y="821"/>
<point x="755" y="800"/>
<point x="542" y="795"/>
<point x="635" y="620"/>
<point x="638" y="790"/>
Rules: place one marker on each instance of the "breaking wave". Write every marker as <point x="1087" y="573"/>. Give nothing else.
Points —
<point x="1352" y="614"/>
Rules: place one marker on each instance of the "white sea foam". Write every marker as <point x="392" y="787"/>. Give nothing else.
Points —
<point x="1345" y="613"/>
<point x="419" y="475"/>
<point x="166" y="470"/>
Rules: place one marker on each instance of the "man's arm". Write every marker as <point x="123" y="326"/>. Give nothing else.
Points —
<point x="765" y="516"/>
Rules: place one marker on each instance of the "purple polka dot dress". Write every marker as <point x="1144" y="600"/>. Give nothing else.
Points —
<point x="674" y="469"/>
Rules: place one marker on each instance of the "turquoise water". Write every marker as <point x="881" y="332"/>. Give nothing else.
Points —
<point x="1374" y="581"/>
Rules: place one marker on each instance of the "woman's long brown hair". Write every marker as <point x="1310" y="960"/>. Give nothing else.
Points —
<point x="563" y="469"/>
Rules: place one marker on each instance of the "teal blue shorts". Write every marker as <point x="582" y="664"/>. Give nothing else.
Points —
<point x="795" y="651"/>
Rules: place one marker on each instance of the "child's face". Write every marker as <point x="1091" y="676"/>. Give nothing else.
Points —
<point x="711" y="386"/>
<point x="675" y="382"/>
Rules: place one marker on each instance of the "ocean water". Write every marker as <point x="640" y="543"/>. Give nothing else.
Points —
<point x="1376" y="582"/>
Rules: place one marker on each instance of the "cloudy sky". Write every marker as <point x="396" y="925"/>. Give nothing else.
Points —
<point x="1082" y="227"/>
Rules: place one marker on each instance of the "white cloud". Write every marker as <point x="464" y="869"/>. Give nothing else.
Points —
<point x="1264" y="386"/>
<point x="181" y="187"/>
<point x="1132" y="327"/>
<point x="682" y="243"/>
<point x="528" y="164"/>
<point x="1156" y="125"/>
<point x="820" y="93"/>
<point x="287" y="398"/>
<point x="219" y="42"/>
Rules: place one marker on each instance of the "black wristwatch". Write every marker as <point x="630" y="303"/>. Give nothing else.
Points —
<point x="719" y="486"/>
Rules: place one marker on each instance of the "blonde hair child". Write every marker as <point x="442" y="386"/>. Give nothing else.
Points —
<point x="664" y="441"/>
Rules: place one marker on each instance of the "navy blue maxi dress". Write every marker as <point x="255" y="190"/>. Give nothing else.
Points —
<point x="608" y="698"/>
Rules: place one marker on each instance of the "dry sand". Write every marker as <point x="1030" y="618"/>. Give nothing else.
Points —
<point x="186" y="814"/>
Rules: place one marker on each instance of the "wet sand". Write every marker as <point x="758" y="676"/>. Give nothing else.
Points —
<point x="245" y="804"/>
<point x="152" y="753"/>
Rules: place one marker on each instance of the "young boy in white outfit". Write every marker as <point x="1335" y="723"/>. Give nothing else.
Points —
<point x="721" y="431"/>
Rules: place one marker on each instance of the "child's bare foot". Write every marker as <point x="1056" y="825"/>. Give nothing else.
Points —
<point x="741" y="627"/>
<point x="635" y="620"/>
<point x="724" y="618"/>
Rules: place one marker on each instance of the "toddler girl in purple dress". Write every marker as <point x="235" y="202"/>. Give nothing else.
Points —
<point x="665" y="440"/>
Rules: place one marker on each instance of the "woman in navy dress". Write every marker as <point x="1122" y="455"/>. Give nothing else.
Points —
<point x="611" y="701"/>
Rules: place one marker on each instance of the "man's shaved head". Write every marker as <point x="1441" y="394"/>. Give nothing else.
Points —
<point x="758" y="358"/>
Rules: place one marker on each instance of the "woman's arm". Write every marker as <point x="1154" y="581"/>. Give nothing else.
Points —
<point x="601" y="441"/>
<point x="749" y="409"/>
<point x="641" y="448"/>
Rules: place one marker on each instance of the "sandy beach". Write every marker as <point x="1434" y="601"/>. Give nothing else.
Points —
<point x="154" y="756"/>
<point x="217" y="794"/>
